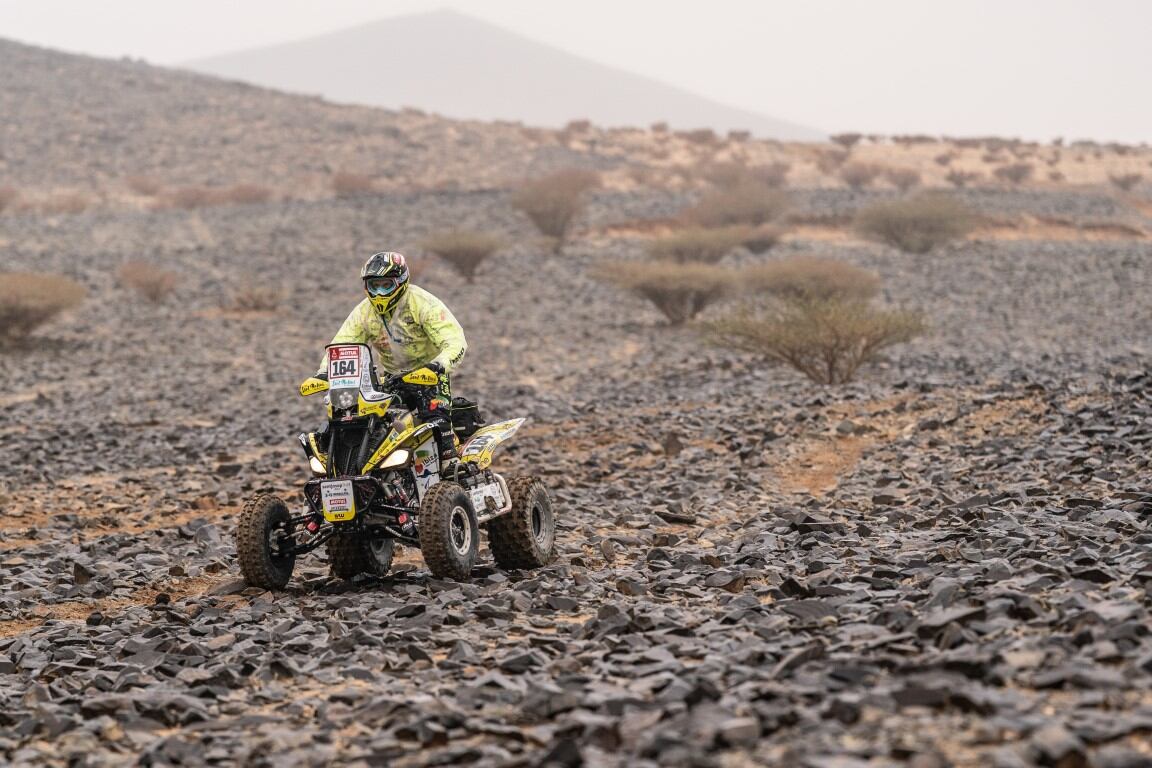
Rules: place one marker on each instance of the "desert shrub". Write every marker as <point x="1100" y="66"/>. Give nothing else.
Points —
<point x="1126" y="181"/>
<point x="750" y="204"/>
<point x="255" y="296"/>
<point x="552" y="201"/>
<point x="763" y="238"/>
<point x="903" y="179"/>
<point x="961" y="179"/>
<point x="809" y="278"/>
<point x="9" y="196"/>
<point x="847" y="140"/>
<point x="860" y="175"/>
<point x="190" y="197"/>
<point x="152" y="283"/>
<point x="697" y="244"/>
<point x="243" y="194"/>
<point x="705" y="137"/>
<point x="147" y="186"/>
<point x="827" y="341"/>
<point x="28" y="300"/>
<point x="347" y="184"/>
<point x="464" y="250"/>
<point x="728" y="175"/>
<point x="66" y="202"/>
<point x="1014" y="173"/>
<point x="916" y="225"/>
<point x="680" y="291"/>
<point x="773" y="175"/>
<point x="828" y="159"/>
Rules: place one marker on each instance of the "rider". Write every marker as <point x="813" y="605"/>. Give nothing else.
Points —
<point x="408" y="328"/>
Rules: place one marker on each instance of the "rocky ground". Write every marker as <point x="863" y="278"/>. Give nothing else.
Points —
<point x="943" y="564"/>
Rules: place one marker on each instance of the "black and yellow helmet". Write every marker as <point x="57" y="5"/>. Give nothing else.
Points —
<point x="385" y="277"/>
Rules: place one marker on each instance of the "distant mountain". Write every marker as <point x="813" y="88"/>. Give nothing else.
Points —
<point x="459" y="66"/>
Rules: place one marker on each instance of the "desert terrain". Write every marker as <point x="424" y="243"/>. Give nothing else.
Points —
<point x="943" y="563"/>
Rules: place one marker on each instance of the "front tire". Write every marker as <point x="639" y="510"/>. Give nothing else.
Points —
<point x="526" y="536"/>
<point x="265" y="517"/>
<point x="449" y="536"/>
<point x="353" y="553"/>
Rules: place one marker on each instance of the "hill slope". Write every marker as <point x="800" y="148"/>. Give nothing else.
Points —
<point x="456" y="65"/>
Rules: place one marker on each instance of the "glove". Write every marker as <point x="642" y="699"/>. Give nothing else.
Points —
<point x="435" y="367"/>
<point x="322" y="375"/>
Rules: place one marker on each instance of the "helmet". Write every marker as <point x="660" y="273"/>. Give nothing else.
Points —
<point x="385" y="277"/>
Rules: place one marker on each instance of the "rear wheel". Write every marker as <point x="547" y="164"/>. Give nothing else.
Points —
<point x="264" y="527"/>
<point x="526" y="536"/>
<point x="355" y="552"/>
<point x="449" y="536"/>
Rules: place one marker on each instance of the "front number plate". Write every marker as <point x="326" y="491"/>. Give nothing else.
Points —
<point x="339" y="503"/>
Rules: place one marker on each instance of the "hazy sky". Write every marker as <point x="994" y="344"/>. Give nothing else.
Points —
<point x="1030" y="68"/>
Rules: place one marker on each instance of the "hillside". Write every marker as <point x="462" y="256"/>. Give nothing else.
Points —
<point x="456" y="65"/>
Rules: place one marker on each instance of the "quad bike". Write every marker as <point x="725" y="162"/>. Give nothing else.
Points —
<point x="378" y="480"/>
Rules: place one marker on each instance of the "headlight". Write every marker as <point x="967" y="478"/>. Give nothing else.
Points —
<point x="316" y="465"/>
<point x="396" y="459"/>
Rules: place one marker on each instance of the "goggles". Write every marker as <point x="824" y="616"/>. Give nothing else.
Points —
<point x="382" y="286"/>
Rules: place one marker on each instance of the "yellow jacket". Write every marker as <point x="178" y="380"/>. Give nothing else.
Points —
<point x="420" y="330"/>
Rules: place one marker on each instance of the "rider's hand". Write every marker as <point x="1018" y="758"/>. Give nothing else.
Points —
<point x="436" y="368"/>
<point x="322" y="375"/>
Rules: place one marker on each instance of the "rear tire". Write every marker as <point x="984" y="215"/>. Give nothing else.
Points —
<point x="353" y="553"/>
<point x="526" y="536"/>
<point x="264" y="515"/>
<point x="449" y="536"/>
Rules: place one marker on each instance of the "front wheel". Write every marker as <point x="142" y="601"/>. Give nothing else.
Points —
<point x="449" y="537"/>
<point x="264" y="527"/>
<point x="526" y="536"/>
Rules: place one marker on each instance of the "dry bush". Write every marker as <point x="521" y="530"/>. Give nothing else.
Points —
<point x="552" y="201"/>
<point x="255" y="296"/>
<point x="28" y="300"/>
<point x="9" y="197"/>
<point x="348" y="184"/>
<point x="961" y="179"/>
<point x="860" y="175"/>
<point x="146" y="186"/>
<point x="847" y="140"/>
<point x="243" y="194"/>
<point x="773" y="175"/>
<point x="1014" y="173"/>
<point x="66" y="202"/>
<point x="465" y="250"/>
<point x="728" y="175"/>
<point x="705" y="137"/>
<point x="903" y="179"/>
<point x="154" y="284"/>
<point x="763" y="238"/>
<point x="1125" y="181"/>
<point x="827" y="341"/>
<point x="697" y="244"/>
<point x="680" y="291"/>
<point x="915" y="225"/>
<point x="752" y="204"/>
<point x="828" y="159"/>
<point x="189" y="197"/>
<point x="810" y="278"/>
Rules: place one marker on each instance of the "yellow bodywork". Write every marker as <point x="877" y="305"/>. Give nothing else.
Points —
<point x="480" y="447"/>
<point x="422" y="376"/>
<point x="403" y="429"/>
<point x="312" y="386"/>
